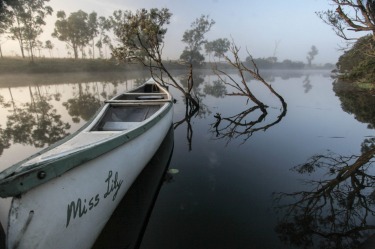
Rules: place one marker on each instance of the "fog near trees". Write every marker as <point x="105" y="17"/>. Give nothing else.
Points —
<point x="96" y="38"/>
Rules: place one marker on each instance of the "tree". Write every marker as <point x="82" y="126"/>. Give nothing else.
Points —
<point x="141" y="34"/>
<point x="5" y="21"/>
<point x="38" y="45"/>
<point x="48" y="45"/>
<point x="350" y="15"/>
<point x="311" y="55"/>
<point x="5" y="6"/>
<point x="141" y="37"/>
<point x="357" y="16"/>
<point x="74" y="30"/>
<point x="104" y="25"/>
<point x="194" y="39"/>
<point x="192" y="57"/>
<point x="93" y="30"/>
<point x="28" y="19"/>
<point x="219" y="47"/>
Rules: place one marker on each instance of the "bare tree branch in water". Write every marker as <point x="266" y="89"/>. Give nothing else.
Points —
<point x="242" y="124"/>
<point x="242" y="86"/>
<point x="335" y="212"/>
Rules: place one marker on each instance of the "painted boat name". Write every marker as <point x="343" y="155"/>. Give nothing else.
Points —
<point x="80" y="207"/>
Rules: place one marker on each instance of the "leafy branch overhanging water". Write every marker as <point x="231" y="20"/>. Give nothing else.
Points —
<point x="141" y="37"/>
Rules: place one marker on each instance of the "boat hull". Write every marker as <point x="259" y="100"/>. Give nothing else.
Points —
<point x="71" y="210"/>
<point x="127" y="225"/>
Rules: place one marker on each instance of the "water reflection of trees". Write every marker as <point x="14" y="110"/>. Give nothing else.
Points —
<point x="37" y="122"/>
<point x="191" y="109"/>
<point x="88" y="98"/>
<point x="336" y="211"/>
<point x="217" y="89"/>
<point x="356" y="101"/>
<point x="307" y="83"/>
<point x="34" y="123"/>
<point x="84" y="104"/>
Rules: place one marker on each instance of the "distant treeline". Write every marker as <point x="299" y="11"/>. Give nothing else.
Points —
<point x="66" y="65"/>
<point x="272" y="63"/>
<point x="70" y="65"/>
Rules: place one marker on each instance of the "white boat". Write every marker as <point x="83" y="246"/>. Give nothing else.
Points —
<point x="128" y="223"/>
<point x="63" y="196"/>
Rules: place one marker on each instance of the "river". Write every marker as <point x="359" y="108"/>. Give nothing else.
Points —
<point x="282" y="180"/>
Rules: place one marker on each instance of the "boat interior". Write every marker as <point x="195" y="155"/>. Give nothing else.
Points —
<point x="146" y="92"/>
<point x="146" y="88"/>
<point x="140" y="96"/>
<point x="124" y="117"/>
<point x="126" y="110"/>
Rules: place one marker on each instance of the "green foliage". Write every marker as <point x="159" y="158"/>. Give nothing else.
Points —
<point x="5" y="14"/>
<point x="104" y="25"/>
<point x="219" y="47"/>
<point x="93" y="29"/>
<point x="194" y="39"/>
<point x="76" y="30"/>
<point x="271" y="63"/>
<point x="49" y="45"/>
<point x="193" y="57"/>
<point x="140" y="34"/>
<point x="27" y="22"/>
<point x="358" y="63"/>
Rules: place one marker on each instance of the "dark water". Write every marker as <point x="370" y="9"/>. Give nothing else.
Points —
<point x="293" y="179"/>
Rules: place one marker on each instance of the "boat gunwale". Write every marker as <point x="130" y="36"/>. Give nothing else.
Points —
<point x="13" y="182"/>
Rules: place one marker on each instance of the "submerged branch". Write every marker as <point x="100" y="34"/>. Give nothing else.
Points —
<point x="241" y="86"/>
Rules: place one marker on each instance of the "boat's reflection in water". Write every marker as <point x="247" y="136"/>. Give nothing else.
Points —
<point x="128" y="222"/>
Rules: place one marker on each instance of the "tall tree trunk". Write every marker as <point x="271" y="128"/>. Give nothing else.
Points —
<point x="93" y="48"/>
<point x="31" y="51"/>
<point x="21" y="47"/>
<point x="75" y="50"/>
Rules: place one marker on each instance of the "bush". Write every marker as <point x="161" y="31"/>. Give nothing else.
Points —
<point x="358" y="63"/>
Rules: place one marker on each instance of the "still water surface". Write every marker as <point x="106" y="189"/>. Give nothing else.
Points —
<point x="230" y="184"/>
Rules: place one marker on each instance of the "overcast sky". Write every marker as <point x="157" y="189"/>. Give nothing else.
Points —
<point x="287" y="29"/>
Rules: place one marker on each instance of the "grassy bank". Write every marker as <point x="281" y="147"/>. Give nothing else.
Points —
<point x="46" y="65"/>
<point x="19" y="72"/>
<point x="12" y="65"/>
